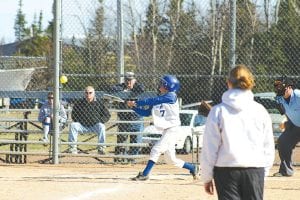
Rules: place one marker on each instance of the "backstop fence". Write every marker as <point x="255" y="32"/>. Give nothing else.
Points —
<point x="101" y="40"/>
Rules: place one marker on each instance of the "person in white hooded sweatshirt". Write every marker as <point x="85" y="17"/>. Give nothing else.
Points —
<point x="238" y="145"/>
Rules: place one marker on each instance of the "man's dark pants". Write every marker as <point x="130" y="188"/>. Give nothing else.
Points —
<point x="287" y="141"/>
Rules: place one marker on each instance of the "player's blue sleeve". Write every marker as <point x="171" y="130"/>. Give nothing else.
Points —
<point x="169" y="97"/>
<point x="143" y="112"/>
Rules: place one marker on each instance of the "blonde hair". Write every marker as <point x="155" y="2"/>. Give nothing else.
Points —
<point x="90" y="88"/>
<point x="241" y="77"/>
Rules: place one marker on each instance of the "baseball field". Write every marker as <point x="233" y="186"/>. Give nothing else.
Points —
<point x="105" y="182"/>
<point x="73" y="181"/>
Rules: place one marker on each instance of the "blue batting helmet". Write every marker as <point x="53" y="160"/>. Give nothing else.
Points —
<point x="171" y="83"/>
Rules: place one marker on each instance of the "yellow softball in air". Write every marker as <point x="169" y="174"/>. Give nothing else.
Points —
<point x="63" y="79"/>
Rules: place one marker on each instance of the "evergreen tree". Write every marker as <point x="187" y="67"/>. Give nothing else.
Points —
<point x="96" y="44"/>
<point x="289" y="26"/>
<point x="148" y="39"/>
<point x="40" y="27"/>
<point x="33" y="42"/>
<point x="247" y="27"/>
<point x="95" y="56"/>
<point x="20" y="24"/>
<point x="278" y="50"/>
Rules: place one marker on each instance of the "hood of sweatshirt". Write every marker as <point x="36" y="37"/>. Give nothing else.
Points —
<point x="238" y="99"/>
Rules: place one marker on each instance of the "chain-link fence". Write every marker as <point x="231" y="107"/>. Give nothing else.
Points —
<point x="102" y="40"/>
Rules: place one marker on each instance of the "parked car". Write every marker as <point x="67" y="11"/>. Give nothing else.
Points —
<point x="267" y="99"/>
<point x="191" y="122"/>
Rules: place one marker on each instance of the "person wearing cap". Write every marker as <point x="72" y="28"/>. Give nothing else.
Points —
<point x="46" y="116"/>
<point x="288" y="99"/>
<point x="135" y="88"/>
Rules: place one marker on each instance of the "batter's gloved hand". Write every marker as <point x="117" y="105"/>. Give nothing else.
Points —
<point x="204" y="108"/>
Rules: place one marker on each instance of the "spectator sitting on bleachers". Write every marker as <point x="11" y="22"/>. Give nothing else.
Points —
<point x="89" y="115"/>
<point x="46" y="116"/>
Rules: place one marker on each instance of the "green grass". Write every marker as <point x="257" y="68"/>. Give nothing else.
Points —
<point x="35" y="137"/>
<point x="64" y="137"/>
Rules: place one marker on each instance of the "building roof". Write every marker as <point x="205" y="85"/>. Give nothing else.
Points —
<point x="9" y="49"/>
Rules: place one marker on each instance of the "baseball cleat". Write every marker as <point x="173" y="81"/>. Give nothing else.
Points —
<point x="195" y="177"/>
<point x="194" y="173"/>
<point x="140" y="177"/>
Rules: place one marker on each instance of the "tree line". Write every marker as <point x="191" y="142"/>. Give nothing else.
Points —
<point x="176" y="37"/>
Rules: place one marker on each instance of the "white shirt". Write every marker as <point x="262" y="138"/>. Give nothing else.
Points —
<point x="166" y="115"/>
<point x="238" y="133"/>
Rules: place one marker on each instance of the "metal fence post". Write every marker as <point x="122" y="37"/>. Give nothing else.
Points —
<point x="120" y="40"/>
<point x="57" y="23"/>
<point x="232" y="33"/>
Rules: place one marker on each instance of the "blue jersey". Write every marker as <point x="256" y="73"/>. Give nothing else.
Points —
<point x="164" y="110"/>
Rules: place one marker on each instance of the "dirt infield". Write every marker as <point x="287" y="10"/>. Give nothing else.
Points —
<point x="89" y="181"/>
<point x="111" y="182"/>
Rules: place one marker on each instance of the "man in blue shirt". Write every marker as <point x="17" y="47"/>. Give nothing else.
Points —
<point x="288" y="99"/>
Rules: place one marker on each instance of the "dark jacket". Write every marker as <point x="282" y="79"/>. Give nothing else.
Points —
<point x="134" y="92"/>
<point x="89" y="114"/>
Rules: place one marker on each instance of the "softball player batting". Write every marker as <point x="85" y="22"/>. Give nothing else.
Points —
<point x="165" y="113"/>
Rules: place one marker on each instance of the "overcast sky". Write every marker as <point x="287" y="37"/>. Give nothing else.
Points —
<point x="8" y="12"/>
